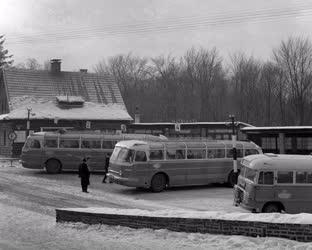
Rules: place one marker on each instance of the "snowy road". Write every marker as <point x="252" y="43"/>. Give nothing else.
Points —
<point x="28" y="200"/>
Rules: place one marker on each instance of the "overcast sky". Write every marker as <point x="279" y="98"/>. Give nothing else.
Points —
<point x="82" y="32"/>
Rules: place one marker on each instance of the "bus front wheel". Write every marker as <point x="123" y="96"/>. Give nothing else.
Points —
<point x="158" y="183"/>
<point x="53" y="166"/>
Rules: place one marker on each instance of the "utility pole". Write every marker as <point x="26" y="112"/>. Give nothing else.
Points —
<point x="235" y="171"/>
<point x="28" y="122"/>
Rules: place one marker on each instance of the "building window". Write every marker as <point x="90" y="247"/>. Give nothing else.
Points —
<point x="268" y="142"/>
<point x="4" y="138"/>
<point x="288" y="144"/>
<point x="304" y="143"/>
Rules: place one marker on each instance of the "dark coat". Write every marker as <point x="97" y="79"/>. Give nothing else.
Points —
<point x="84" y="174"/>
<point x="106" y="164"/>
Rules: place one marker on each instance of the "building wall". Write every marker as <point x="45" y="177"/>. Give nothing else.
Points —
<point x="283" y="142"/>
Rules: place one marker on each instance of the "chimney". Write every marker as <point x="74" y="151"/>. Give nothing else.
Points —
<point x="55" y="65"/>
<point x="137" y="116"/>
<point x="83" y="71"/>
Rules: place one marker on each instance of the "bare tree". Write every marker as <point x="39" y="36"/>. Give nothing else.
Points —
<point x="294" y="59"/>
<point x="129" y="71"/>
<point x="167" y="74"/>
<point x="30" y="63"/>
<point x="204" y="71"/>
<point x="246" y="75"/>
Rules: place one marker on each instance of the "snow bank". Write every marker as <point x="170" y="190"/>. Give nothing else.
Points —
<point x="302" y="218"/>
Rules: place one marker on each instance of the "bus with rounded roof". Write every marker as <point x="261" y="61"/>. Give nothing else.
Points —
<point x="158" y="165"/>
<point x="275" y="183"/>
<point x="54" y="151"/>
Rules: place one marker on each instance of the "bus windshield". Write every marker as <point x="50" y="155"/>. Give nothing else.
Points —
<point x="250" y="174"/>
<point x="125" y="155"/>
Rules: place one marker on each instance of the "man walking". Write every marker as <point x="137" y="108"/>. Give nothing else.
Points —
<point x="84" y="174"/>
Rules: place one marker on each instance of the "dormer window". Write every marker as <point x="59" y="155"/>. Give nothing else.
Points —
<point x="69" y="101"/>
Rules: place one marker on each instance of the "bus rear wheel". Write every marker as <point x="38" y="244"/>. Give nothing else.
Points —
<point x="53" y="166"/>
<point x="158" y="183"/>
<point x="272" y="208"/>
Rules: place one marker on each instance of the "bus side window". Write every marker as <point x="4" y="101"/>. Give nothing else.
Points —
<point x="284" y="177"/>
<point x="196" y="153"/>
<point x="156" y="155"/>
<point x="239" y="153"/>
<point x="140" y="156"/>
<point x="34" y="144"/>
<point x="180" y="154"/>
<point x="251" y="151"/>
<point x="69" y="143"/>
<point x="170" y="153"/>
<point x="50" y="143"/>
<point x="220" y="153"/>
<point x="108" y="144"/>
<point x="266" y="178"/>
<point x="303" y="177"/>
<point x="90" y="144"/>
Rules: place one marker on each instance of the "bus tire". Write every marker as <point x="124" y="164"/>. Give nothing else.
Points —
<point x="158" y="183"/>
<point x="272" y="208"/>
<point x="232" y="178"/>
<point x="53" y="166"/>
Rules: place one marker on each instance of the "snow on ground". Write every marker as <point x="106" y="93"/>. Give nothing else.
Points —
<point x="23" y="228"/>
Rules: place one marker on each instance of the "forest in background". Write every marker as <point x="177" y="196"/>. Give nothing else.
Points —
<point x="199" y="86"/>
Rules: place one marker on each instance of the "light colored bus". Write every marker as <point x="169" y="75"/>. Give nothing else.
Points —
<point x="158" y="165"/>
<point x="275" y="183"/>
<point x="64" y="151"/>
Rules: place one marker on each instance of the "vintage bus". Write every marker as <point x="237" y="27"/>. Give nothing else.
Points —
<point x="158" y="165"/>
<point x="55" y="151"/>
<point x="274" y="183"/>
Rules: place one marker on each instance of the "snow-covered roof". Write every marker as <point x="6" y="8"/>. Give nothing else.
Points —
<point x="97" y="88"/>
<point x="277" y="128"/>
<point x="47" y="109"/>
<point x="279" y="162"/>
<point x="191" y="123"/>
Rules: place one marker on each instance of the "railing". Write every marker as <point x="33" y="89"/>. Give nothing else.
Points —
<point x="11" y="159"/>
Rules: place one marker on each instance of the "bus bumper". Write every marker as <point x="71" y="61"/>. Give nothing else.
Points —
<point x="239" y="200"/>
<point x="130" y="182"/>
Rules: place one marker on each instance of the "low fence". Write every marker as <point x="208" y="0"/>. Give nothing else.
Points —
<point x="9" y="159"/>
<point x="299" y="232"/>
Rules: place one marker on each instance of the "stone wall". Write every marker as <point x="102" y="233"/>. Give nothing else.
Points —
<point x="299" y="232"/>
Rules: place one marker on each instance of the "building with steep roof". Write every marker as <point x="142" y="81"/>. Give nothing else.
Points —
<point x="36" y="100"/>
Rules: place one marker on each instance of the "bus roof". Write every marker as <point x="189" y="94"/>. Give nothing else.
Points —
<point x="278" y="162"/>
<point x="186" y="143"/>
<point x="97" y="135"/>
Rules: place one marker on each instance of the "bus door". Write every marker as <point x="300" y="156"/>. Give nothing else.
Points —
<point x="263" y="192"/>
